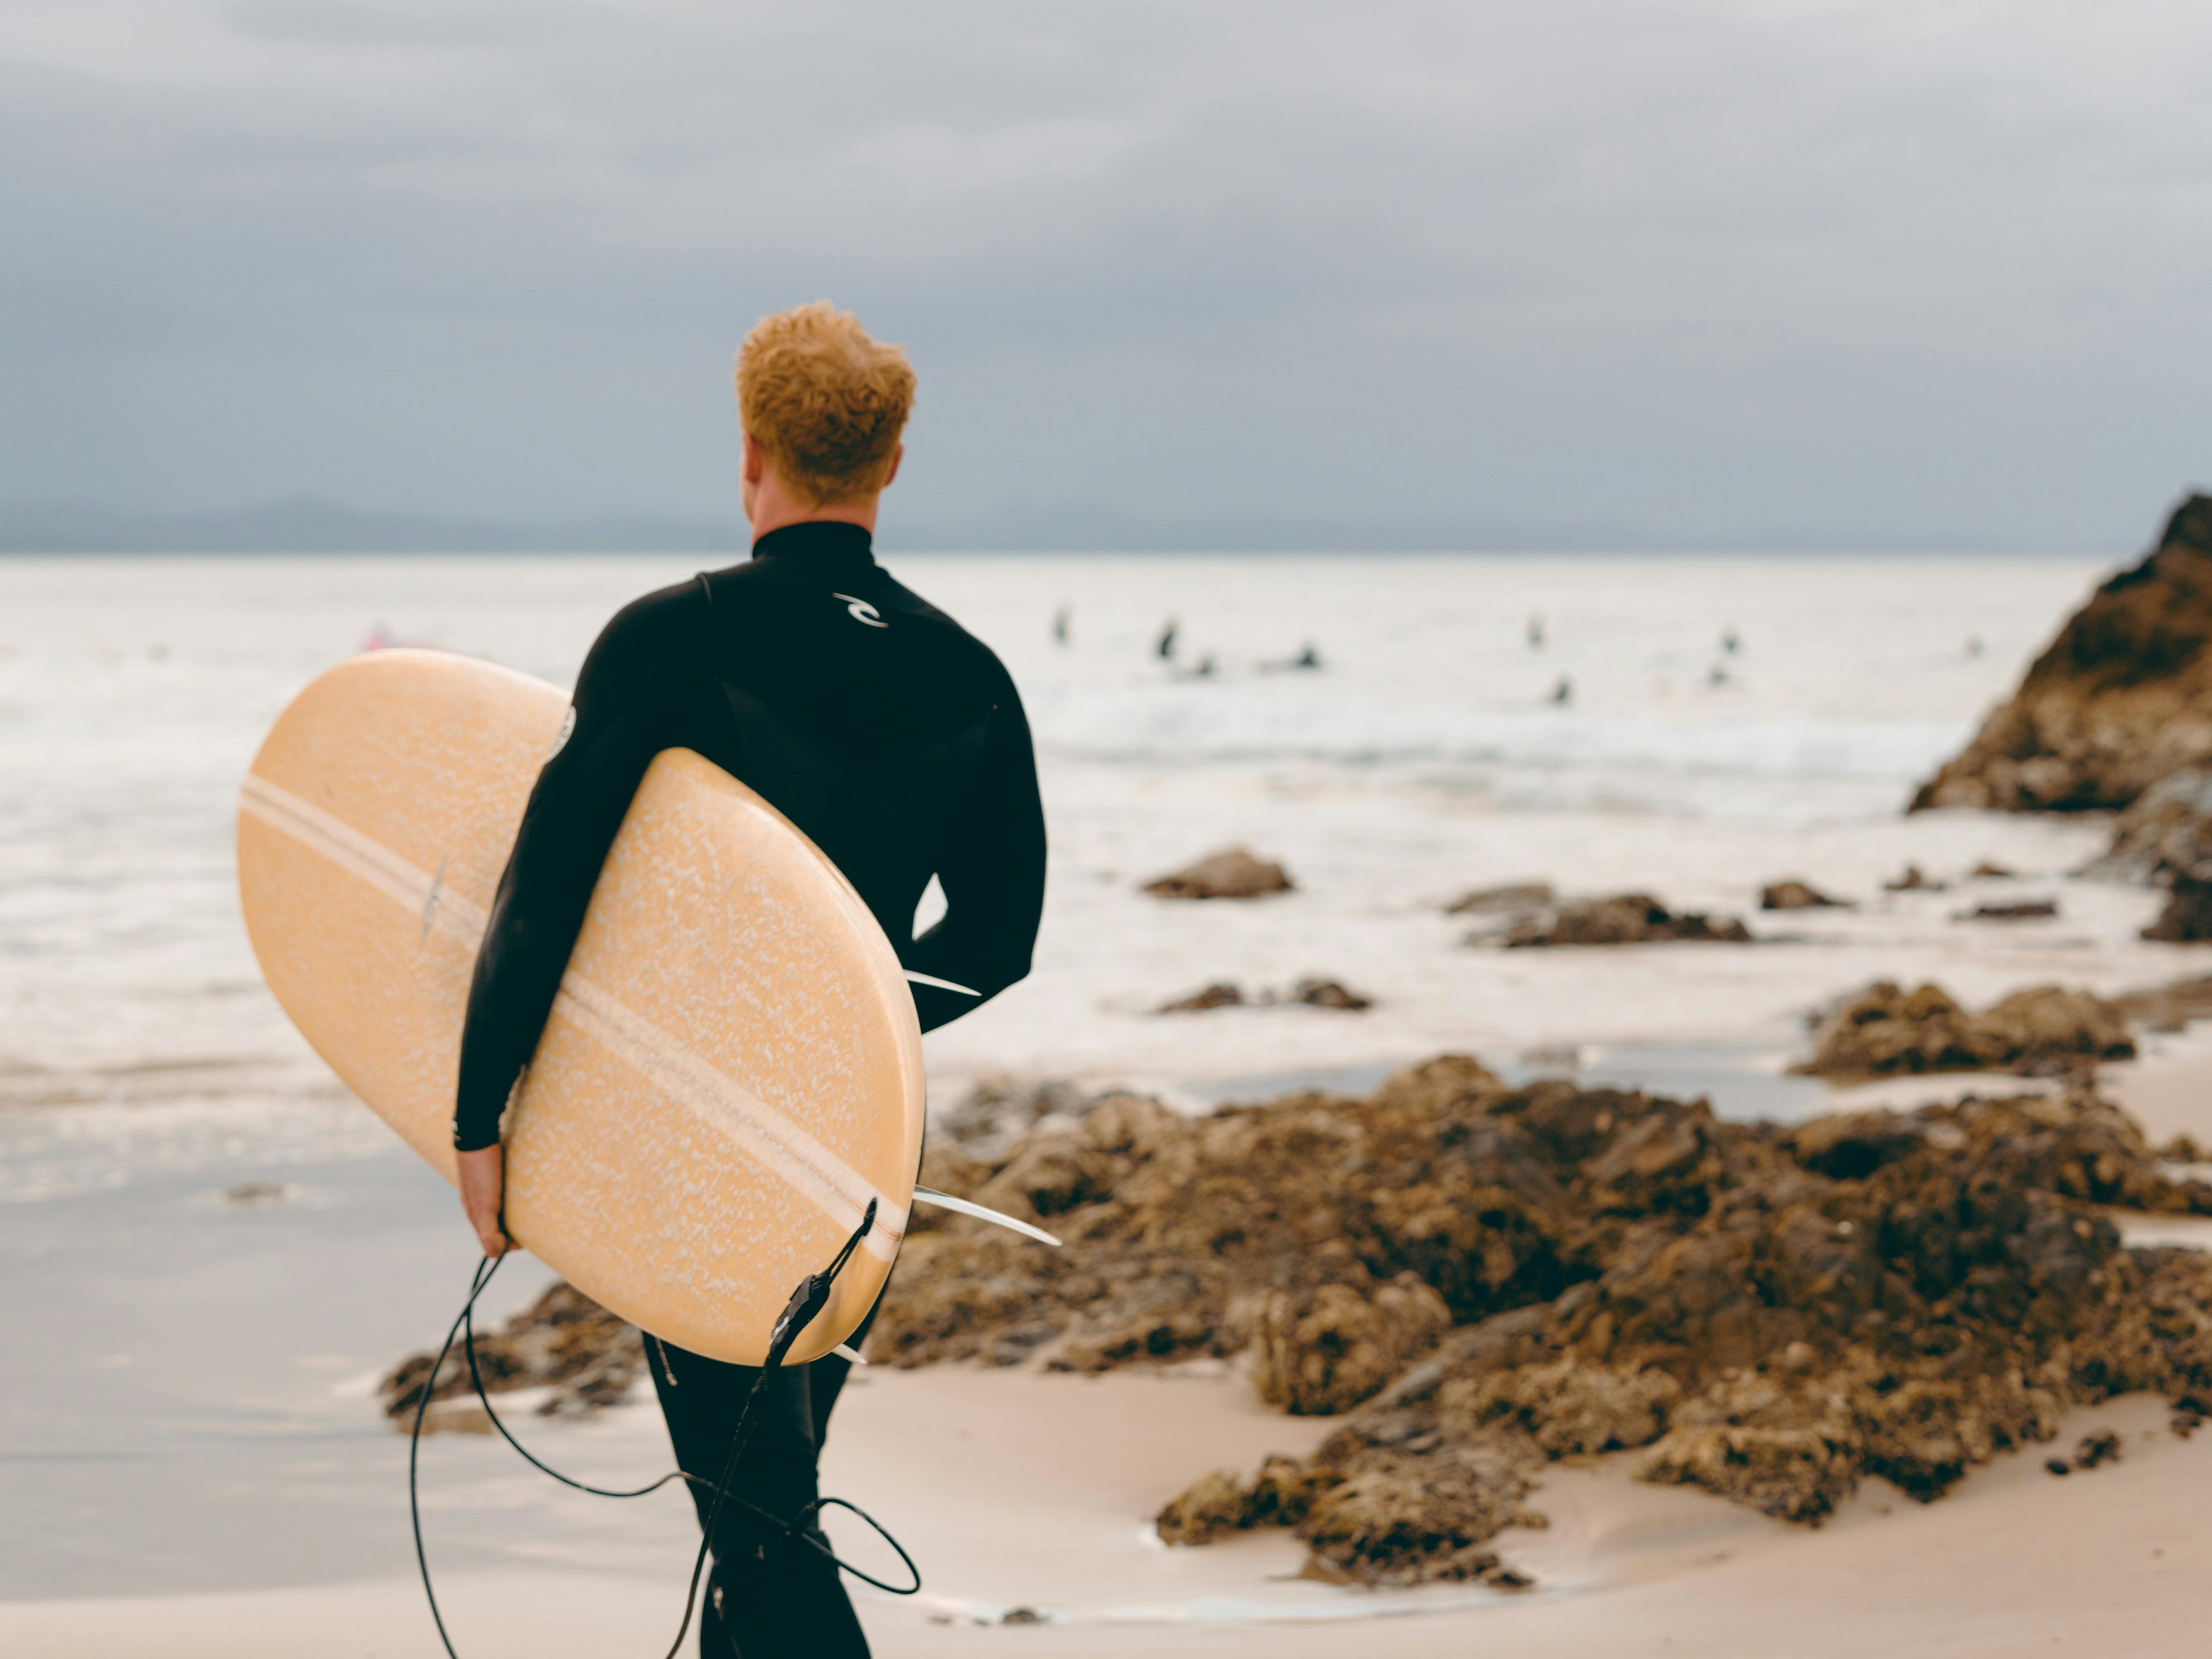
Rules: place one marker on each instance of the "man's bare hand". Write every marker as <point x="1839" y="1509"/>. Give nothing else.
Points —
<point x="484" y="1189"/>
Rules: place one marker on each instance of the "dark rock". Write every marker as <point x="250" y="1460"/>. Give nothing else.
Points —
<point x="1629" y="919"/>
<point x="2187" y="917"/>
<point x="1884" y="1032"/>
<point x="2166" y="833"/>
<point x="1516" y="899"/>
<point x="2102" y="1447"/>
<point x="1221" y="995"/>
<point x="1233" y="873"/>
<point x="1987" y="871"/>
<point x="2019" y="910"/>
<point x="2057" y="1466"/>
<point x="1328" y="993"/>
<point x="1309" y="992"/>
<point x="1797" y="895"/>
<point x="2121" y="699"/>
<point x="1211" y="1507"/>
<point x="1912" y="881"/>
<point x="588" y="1356"/>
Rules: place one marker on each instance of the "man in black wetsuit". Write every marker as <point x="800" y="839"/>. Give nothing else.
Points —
<point x="876" y="724"/>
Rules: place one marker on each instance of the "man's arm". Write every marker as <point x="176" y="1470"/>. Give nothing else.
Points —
<point x="575" y="810"/>
<point x="992" y="869"/>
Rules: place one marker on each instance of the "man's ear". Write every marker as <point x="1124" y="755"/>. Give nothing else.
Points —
<point x="755" y="459"/>
<point x="897" y="455"/>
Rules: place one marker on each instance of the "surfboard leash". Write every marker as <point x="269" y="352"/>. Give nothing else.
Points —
<point x="807" y="1301"/>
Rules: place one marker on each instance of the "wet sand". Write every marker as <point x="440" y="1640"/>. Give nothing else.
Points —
<point x="1036" y="1507"/>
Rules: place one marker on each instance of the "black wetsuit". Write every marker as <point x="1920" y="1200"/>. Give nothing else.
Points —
<point x="894" y="739"/>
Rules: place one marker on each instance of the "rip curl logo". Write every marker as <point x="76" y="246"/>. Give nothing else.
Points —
<point x="861" y="610"/>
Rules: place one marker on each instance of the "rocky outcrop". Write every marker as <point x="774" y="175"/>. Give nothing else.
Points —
<point x="1480" y="1280"/>
<point x="1771" y="1314"/>
<point x="1629" y="919"/>
<point x="1231" y="873"/>
<point x="1885" y="1031"/>
<point x="2121" y="699"/>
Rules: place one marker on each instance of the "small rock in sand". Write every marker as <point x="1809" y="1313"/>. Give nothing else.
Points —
<point x="1912" y="881"/>
<point x="1231" y="873"/>
<point x="1797" y="895"/>
<point x="1328" y="993"/>
<point x="1223" y="995"/>
<point x="1309" y="992"/>
<point x="256" y="1195"/>
<point x="2102" y="1447"/>
<point x="1516" y="898"/>
<point x="2021" y="910"/>
<point x="1987" y="871"/>
<point x="1629" y="919"/>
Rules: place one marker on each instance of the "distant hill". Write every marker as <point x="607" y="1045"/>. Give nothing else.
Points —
<point x="315" y="526"/>
<point x="308" y="526"/>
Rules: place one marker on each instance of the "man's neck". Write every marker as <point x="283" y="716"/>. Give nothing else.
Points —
<point x="775" y="509"/>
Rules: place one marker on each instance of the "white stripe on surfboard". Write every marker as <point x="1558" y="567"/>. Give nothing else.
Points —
<point x="941" y="984"/>
<point x="760" y="1130"/>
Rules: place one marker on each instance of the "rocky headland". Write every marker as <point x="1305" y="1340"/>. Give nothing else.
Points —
<point x="2122" y="698"/>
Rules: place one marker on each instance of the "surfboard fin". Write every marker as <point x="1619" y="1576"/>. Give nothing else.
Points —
<point x="962" y="1206"/>
<point x="846" y="1351"/>
<point x="941" y="984"/>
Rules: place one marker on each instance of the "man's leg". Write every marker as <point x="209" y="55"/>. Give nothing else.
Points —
<point x="826" y="1377"/>
<point x="771" y="1596"/>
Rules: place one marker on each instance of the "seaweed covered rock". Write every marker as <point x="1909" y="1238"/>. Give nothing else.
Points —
<point x="564" y="1340"/>
<point x="1627" y="919"/>
<point x="1885" y="1030"/>
<point x="2122" y="698"/>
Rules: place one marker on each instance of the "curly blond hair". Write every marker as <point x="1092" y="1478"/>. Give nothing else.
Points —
<point x="826" y="402"/>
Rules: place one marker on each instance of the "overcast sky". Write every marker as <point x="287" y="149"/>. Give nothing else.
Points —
<point x="1939" y="265"/>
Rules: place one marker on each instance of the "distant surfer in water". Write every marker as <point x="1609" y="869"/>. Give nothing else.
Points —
<point x="880" y="727"/>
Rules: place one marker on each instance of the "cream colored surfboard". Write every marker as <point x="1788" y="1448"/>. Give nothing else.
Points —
<point x="733" y="1069"/>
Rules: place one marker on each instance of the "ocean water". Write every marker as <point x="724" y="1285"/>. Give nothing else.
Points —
<point x="193" y="1395"/>
<point x="1426" y="756"/>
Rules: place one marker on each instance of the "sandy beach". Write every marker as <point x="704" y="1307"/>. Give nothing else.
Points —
<point x="1030" y="1491"/>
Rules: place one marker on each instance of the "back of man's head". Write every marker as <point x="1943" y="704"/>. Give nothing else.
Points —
<point x="823" y="401"/>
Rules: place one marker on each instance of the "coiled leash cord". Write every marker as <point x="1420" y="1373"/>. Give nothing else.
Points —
<point x="807" y="1301"/>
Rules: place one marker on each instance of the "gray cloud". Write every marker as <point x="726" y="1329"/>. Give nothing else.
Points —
<point x="1931" y="264"/>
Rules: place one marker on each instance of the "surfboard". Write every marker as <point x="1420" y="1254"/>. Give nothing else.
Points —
<point x="731" y="1071"/>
